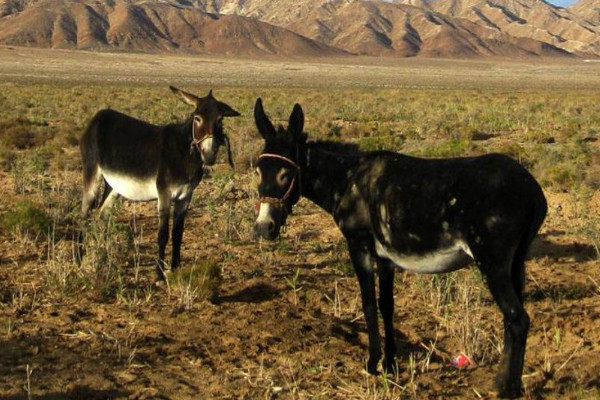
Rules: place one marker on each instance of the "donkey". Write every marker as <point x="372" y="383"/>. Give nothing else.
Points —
<point x="421" y="215"/>
<point x="144" y="162"/>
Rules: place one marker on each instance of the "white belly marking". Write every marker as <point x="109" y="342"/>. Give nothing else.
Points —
<point x="132" y="188"/>
<point x="446" y="259"/>
<point x="143" y="189"/>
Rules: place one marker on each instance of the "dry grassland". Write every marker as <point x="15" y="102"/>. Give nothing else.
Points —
<point x="250" y="319"/>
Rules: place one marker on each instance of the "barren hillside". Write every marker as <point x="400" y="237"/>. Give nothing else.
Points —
<point x="587" y="9"/>
<point x="149" y="26"/>
<point x="534" y="19"/>
<point x="385" y="28"/>
<point x="400" y="28"/>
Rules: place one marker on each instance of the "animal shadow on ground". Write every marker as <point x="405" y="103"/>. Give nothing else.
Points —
<point x="544" y="247"/>
<point x="349" y="332"/>
<point x="257" y="293"/>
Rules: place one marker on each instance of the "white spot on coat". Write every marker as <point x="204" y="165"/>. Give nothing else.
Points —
<point x="414" y="237"/>
<point x="384" y="224"/>
<point x="491" y="221"/>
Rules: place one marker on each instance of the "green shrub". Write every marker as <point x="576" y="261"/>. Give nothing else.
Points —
<point x="197" y="282"/>
<point x="20" y="133"/>
<point x="27" y="218"/>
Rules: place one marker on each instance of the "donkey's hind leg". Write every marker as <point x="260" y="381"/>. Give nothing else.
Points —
<point x="179" y="212"/>
<point x="108" y="199"/>
<point x="92" y="178"/>
<point x="516" y="325"/>
<point x="164" y="204"/>
<point x="361" y="260"/>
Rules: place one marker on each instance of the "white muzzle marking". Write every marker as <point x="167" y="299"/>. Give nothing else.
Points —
<point x="264" y="214"/>
<point x="207" y="151"/>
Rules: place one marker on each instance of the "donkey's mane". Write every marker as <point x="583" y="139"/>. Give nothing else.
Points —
<point x="341" y="148"/>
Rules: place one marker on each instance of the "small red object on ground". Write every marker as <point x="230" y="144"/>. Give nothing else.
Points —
<point x="461" y="361"/>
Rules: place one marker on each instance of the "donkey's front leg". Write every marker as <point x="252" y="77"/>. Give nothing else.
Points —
<point x="361" y="261"/>
<point x="385" y="270"/>
<point x="179" y="213"/>
<point x="164" y="204"/>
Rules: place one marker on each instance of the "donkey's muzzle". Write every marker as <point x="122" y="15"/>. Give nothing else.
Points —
<point x="267" y="230"/>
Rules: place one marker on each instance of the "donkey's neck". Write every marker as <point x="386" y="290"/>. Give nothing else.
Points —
<point x="178" y="140"/>
<point x="180" y="136"/>
<point x="325" y="174"/>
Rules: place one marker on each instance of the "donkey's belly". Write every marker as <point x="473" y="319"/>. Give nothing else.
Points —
<point x="132" y="188"/>
<point x="445" y="259"/>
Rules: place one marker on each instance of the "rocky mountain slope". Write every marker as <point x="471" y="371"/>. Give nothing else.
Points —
<point x="150" y="26"/>
<point x="400" y="28"/>
<point x="587" y="9"/>
<point x="533" y="19"/>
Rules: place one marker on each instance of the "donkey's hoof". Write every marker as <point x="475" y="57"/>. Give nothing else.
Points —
<point x="509" y="391"/>
<point x="390" y="366"/>
<point x="372" y="367"/>
<point x="161" y="278"/>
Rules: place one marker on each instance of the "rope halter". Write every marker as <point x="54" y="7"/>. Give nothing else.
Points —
<point x="280" y="202"/>
<point x="197" y="143"/>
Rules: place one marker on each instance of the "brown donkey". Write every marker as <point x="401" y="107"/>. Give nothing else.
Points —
<point x="145" y="162"/>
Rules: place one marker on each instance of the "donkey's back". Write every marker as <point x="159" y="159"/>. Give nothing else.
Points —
<point x="426" y="215"/>
<point x="118" y="142"/>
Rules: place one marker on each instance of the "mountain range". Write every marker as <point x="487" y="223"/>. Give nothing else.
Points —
<point x="308" y="28"/>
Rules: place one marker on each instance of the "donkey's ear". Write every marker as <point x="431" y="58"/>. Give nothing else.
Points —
<point x="265" y="127"/>
<point x="227" y="111"/>
<point x="185" y="96"/>
<point x="296" y="123"/>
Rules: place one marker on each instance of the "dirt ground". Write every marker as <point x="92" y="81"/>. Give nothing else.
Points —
<point x="261" y="338"/>
<point x="285" y="320"/>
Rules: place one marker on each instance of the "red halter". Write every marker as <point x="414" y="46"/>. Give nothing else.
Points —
<point x="273" y="200"/>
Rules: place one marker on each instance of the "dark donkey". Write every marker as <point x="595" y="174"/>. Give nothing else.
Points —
<point x="144" y="162"/>
<point x="421" y="215"/>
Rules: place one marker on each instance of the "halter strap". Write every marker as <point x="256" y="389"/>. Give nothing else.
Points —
<point x="272" y="155"/>
<point x="197" y="142"/>
<point x="281" y="201"/>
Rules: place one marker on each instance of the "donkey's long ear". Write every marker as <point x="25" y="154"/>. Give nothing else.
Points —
<point x="265" y="127"/>
<point x="227" y="111"/>
<point x="185" y="96"/>
<point x="296" y="123"/>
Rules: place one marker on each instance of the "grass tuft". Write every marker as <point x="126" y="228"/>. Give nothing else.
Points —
<point x="197" y="282"/>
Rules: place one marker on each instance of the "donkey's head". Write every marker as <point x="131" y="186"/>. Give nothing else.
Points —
<point x="278" y="170"/>
<point x="207" y="124"/>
